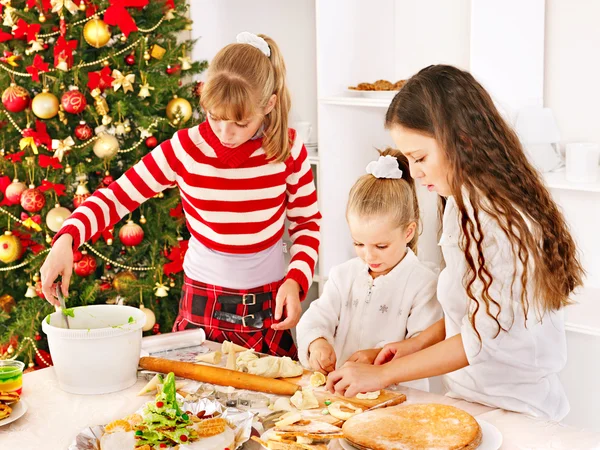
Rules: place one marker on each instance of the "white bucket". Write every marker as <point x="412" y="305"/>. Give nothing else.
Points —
<point x="101" y="350"/>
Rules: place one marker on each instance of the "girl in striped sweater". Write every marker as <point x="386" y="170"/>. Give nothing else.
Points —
<point x="241" y="173"/>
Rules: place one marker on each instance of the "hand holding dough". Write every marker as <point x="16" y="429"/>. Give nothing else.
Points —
<point x="275" y="367"/>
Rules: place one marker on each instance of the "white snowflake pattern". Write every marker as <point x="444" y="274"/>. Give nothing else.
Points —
<point x="383" y="309"/>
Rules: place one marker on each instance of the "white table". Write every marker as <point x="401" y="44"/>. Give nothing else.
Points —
<point x="55" y="417"/>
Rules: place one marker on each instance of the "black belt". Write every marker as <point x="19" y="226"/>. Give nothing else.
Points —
<point x="245" y="299"/>
<point x="251" y="320"/>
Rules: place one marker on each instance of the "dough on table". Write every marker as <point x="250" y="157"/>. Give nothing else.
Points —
<point x="236" y="348"/>
<point x="282" y="404"/>
<point x="368" y="395"/>
<point x="317" y="379"/>
<point x="275" y="367"/>
<point x="231" y="359"/>
<point x="304" y="399"/>
<point x="211" y="358"/>
<point x="244" y="358"/>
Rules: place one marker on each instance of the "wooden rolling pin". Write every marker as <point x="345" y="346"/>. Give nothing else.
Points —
<point x="218" y="375"/>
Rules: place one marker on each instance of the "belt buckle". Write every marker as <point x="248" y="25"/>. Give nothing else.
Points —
<point x="244" y="319"/>
<point x="253" y="299"/>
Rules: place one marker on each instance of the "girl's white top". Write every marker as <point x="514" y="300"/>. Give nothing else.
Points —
<point x="517" y="370"/>
<point x="357" y="312"/>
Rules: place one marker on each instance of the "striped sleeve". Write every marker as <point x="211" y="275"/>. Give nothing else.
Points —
<point x="155" y="172"/>
<point x="304" y="219"/>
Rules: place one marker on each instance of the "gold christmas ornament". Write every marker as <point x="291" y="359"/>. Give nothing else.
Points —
<point x="42" y="18"/>
<point x="56" y="216"/>
<point x="48" y="239"/>
<point x="68" y="169"/>
<point x="157" y="52"/>
<point x="82" y="5"/>
<point x="147" y="56"/>
<point x="81" y="189"/>
<point x="7" y="303"/>
<point x="10" y="248"/>
<point x="145" y="90"/>
<point x="106" y="146"/>
<point x="121" y="80"/>
<point x="179" y="110"/>
<point x="142" y="219"/>
<point x="161" y="290"/>
<point x="122" y="281"/>
<point x="150" y="318"/>
<point x="45" y="105"/>
<point x="62" y="146"/>
<point x="96" y="33"/>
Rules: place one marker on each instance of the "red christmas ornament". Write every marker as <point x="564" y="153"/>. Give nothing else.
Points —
<point x="151" y="142"/>
<point x="83" y="131"/>
<point x="14" y="191"/>
<point x="79" y="199"/>
<point x="131" y="234"/>
<point x="73" y="102"/>
<point x="156" y="328"/>
<point x="107" y="180"/>
<point x="77" y="255"/>
<point x="38" y="337"/>
<point x="32" y="199"/>
<point x="172" y="69"/>
<point x="15" y="98"/>
<point x="43" y="358"/>
<point x="38" y="290"/>
<point x="85" y="266"/>
<point x="130" y="59"/>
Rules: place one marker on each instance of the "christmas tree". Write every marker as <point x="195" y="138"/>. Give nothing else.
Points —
<point x="88" y="87"/>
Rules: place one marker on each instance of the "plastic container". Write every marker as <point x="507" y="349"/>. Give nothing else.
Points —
<point x="101" y="350"/>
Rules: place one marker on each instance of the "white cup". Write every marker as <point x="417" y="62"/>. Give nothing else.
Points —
<point x="582" y="160"/>
<point x="304" y="129"/>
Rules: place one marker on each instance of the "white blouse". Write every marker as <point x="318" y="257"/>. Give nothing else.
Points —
<point x="357" y="312"/>
<point x="515" y="370"/>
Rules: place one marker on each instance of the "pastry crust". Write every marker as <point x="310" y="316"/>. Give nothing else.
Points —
<point x="442" y="427"/>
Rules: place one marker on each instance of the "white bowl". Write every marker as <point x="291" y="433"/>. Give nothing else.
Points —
<point x="101" y="350"/>
<point x="373" y="94"/>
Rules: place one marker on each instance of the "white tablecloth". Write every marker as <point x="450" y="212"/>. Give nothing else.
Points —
<point x="55" y="417"/>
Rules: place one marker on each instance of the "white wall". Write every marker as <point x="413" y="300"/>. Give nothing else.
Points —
<point x="290" y="23"/>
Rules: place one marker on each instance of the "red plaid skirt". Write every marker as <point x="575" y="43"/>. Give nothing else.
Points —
<point x="201" y="302"/>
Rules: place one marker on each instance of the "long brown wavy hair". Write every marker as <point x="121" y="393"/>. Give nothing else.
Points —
<point x="489" y="170"/>
<point x="240" y="80"/>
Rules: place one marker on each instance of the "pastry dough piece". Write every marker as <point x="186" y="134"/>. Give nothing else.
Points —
<point x="335" y="409"/>
<point x="153" y="384"/>
<point x="368" y="395"/>
<point x="243" y="359"/>
<point x="305" y="399"/>
<point x="211" y="358"/>
<point x="282" y="404"/>
<point x="236" y="348"/>
<point x="275" y="367"/>
<point x="231" y="359"/>
<point x="289" y="419"/>
<point x="317" y="379"/>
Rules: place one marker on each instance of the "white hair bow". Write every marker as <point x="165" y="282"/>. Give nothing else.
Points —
<point x="246" y="37"/>
<point x="385" y="167"/>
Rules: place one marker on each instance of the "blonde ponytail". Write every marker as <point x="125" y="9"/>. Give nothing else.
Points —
<point x="396" y="198"/>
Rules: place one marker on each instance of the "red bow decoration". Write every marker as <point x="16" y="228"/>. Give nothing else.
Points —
<point x="63" y="50"/>
<point x="176" y="212"/>
<point x="106" y="235"/>
<point x="100" y="80"/>
<point x="46" y="4"/>
<point x="4" y="36"/>
<point x="116" y="14"/>
<point x="4" y="182"/>
<point x="176" y="257"/>
<point x="36" y="218"/>
<point x="14" y="157"/>
<point x="27" y="242"/>
<point x="56" y="187"/>
<point x="40" y="135"/>
<point x="24" y="29"/>
<point x="48" y="161"/>
<point x="38" y="65"/>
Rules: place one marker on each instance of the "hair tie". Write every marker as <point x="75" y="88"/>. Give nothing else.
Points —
<point x="385" y="167"/>
<point x="252" y="39"/>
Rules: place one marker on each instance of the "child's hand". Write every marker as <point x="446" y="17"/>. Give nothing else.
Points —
<point x="353" y="378"/>
<point x="365" y="356"/>
<point x="58" y="262"/>
<point x="321" y="356"/>
<point x="288" y="296"/>
<point x="395" y="350"/>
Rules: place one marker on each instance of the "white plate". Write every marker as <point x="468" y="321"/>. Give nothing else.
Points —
<point x="373" y="94"/>
<point x="491" y="438"/>
<point x="19" y="409"/>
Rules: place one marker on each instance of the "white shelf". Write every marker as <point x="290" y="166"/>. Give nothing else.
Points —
<point x="584" y="316"/>
<point x="557" y="180"/>
<point x="356" y="101"/>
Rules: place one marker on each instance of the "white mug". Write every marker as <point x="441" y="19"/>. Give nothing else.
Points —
<point x="582" y="160"/>
<point x="304" y="130"/>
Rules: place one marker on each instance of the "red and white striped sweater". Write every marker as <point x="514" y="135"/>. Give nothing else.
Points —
<point x="232" y="203"/>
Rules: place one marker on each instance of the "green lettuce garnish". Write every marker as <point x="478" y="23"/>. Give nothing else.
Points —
<point x="69" y="312"/>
